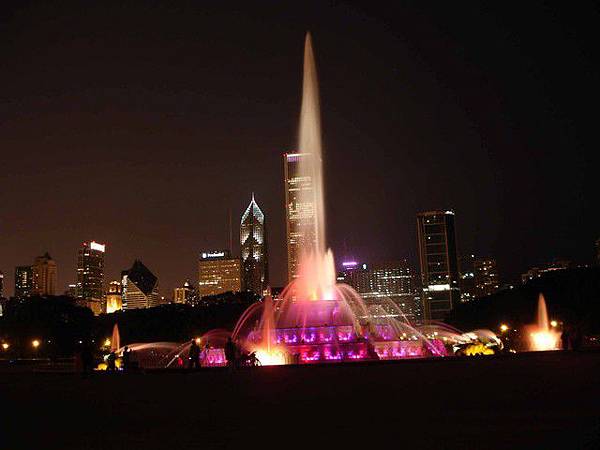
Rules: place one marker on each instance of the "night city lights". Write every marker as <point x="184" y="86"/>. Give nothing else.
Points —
<point x="336" y="224"/>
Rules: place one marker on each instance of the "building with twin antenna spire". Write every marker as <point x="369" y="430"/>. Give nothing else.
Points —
<point x="253" y="247"/>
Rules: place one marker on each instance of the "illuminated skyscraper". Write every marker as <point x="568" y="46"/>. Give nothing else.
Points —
<point x="1" y="284"/>
<point x="90" y="275"/>
<point x="183" y="294"/>
<point x="114" y="298"/>
<point x="486" y="277"/>
<point x="300" y="208"/>
<point x="439" y="264"/>
<point x="218" y="272"/>
<point x="253" y="242"/>
<point x="139" y="287"/>
<point x="23" y="281"/>
<point x="44" y="275"/>
<point x="378" y="283"/>
<point x="467" y="277"/>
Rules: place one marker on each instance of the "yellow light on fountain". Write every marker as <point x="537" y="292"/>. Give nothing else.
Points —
<point x="270" y="358"/>
<point x="543" y="335"/>
<point x="107" y="342"/>
<point x="198" y="340"/>
<point x="544" y="340"/>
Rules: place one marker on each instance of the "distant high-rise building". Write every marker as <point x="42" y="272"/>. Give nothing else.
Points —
<point x="1" y="284"/>
<point x="71" y="290"/>
<point x="467" y="278"/>
<point x="536" y="272"/>
<point x="139" y="287"/>
<point x="301" y="220"/>
<point x="486" y="277"/>
<point x="44" y="275"/>
<point x="218" y="272"/>
<point x="253" y="244"/>
<point x="90" y="275"/>
<point x="439" y="263"/>
<point x="23" y="281"/>
<point x="114" y="298"/>
<point x="377" y="283"/>
<point x="347" y="268"/>
<point x="183" y="294"/>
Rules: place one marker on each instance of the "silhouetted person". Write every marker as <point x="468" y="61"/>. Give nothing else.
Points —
<point x="230" y="353"/>
<point x="565" y="338"/>
<point x="111" y="360"/>
<point x="126" y="359"/>
<point x="194" y="355"/>
<point x="204" y="354"/>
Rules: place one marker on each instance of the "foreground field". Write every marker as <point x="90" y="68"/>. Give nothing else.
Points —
<point x="528" y="401"/>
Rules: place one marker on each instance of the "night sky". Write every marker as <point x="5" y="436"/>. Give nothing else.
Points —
<point x="141" y="126"/>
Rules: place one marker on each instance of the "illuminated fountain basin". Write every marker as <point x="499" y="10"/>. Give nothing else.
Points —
<point x="297" y="330"/>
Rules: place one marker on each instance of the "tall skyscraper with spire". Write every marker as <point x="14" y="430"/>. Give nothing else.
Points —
<point x="253" y="244"/>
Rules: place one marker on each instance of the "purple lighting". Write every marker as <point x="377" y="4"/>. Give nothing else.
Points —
<point x="349" y="264"/>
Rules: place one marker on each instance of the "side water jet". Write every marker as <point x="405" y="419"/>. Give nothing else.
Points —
<point x="541" y="336"/>
<point x="115" y="340"/>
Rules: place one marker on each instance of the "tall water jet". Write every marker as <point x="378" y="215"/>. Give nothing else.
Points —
<point x="541" y="336"/>
<point x="309" y="142"/>
<point x="115" y="340"/>
<point x="316" y="269"/>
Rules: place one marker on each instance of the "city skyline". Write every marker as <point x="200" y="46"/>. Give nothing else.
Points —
<point x="418" y="116"/>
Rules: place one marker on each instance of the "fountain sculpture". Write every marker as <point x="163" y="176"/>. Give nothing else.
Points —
<point x="315" y="319"/>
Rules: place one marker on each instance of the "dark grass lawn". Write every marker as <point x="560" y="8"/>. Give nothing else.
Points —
<point x="528" y="401"/>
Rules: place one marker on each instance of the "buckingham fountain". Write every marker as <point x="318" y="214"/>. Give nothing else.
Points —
<point x="316" y="319"/>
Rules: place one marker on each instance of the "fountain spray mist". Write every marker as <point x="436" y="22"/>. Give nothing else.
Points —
<point x="309" y="142"/>
<point x="317" y="267"/>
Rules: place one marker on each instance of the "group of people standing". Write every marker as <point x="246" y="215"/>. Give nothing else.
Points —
<point x="126" y="359"/>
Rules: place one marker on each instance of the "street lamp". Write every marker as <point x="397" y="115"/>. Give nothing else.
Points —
<point x="35" y="343"/>
<point x="553" y="323"/>
<point x="504" y="328"/>
<point x="5" y="345"/>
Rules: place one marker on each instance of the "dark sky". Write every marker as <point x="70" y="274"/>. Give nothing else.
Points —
<point x="140" y="126"/>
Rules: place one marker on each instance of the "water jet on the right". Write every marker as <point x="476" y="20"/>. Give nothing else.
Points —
<point x="541" y="336"/>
